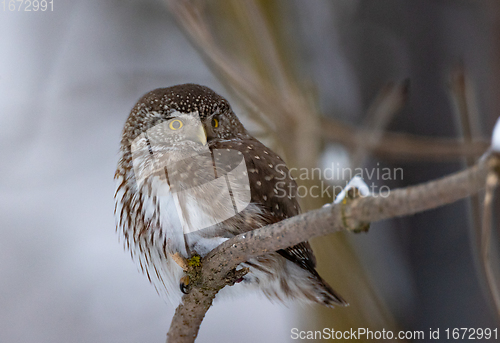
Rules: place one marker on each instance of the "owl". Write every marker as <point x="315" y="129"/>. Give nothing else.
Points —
<point x="189" y="177"/>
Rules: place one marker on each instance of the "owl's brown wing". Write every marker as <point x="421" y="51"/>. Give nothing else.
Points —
<point x="274" y="189"/>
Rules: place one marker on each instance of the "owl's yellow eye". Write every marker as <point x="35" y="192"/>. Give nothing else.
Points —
<point x="215" y="122"/>
<point x="175" y="124"/>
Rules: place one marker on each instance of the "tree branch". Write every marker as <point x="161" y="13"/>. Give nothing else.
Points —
<point x="260" y="95"/>
<point x="218" y="267"/>
<point x="387" y="104"/>
<point x="485" y="248"/>
<point x="404" y="146"/>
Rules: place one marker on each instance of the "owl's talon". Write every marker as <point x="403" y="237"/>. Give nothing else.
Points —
<point x="184" y="284"/>
<point x="180" y="260"/>
<point x="363" y="227"/>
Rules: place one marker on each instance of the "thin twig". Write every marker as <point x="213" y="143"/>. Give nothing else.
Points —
<point x="491" y="184"/>
<point x="266" y="45"/>
<point x="387" y="103"/>
<point x="241" y="79"/>
<point x="223" y="260"/>
<point x="256" y="93"/>
<point x="467" y="116"/>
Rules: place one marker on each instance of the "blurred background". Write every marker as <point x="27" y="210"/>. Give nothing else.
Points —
<point x="358" y="83"/>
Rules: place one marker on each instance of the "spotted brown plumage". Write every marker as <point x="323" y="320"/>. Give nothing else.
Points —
<point x="191" y="130"/>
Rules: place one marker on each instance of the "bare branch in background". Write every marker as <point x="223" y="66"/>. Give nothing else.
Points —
<point x="464" y="101"/>
<point x="491" y="184"/>
<point x="240" y="78"/>
<point x="268" y="102"/>
<point x="218" y="267"/>
<point x="388" y="102"/>
<point x="468" y="118"/>
<point x="405" y="146"/>
<point x="267" y="47"/>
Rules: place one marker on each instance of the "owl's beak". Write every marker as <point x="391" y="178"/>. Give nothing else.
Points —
<point x="202" y="135"/>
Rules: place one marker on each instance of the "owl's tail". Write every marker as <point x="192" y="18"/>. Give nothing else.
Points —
<point x="282" y="279"/>
<point x="309" y="282"/>
<point x="306" y="284"/>
<point x="326" y="295"/>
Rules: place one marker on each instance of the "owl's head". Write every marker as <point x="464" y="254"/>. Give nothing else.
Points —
<point x="170" y="125"/>
<point x="182" y="116"/>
